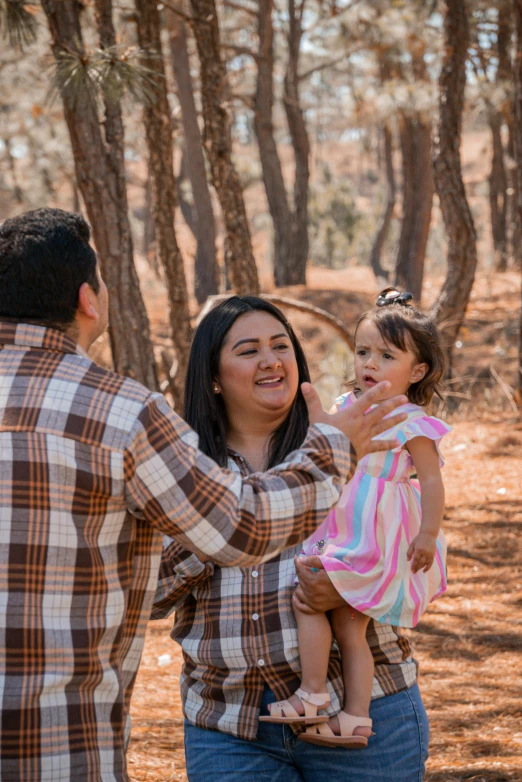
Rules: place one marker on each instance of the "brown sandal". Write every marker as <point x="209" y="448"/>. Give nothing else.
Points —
<point x="324" y="735"/>
<point x="283" y="713"/>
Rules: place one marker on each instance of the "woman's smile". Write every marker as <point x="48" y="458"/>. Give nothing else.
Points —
<point x="275" y="381"/>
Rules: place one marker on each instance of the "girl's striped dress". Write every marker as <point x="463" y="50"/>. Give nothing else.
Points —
<point x="363" y="541"/>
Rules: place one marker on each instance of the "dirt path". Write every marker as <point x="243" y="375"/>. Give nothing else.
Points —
<point x="469" y="645"/>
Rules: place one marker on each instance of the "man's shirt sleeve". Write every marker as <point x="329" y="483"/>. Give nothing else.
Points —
<point x="232" y="519"/>
<point x="180" y="572"/>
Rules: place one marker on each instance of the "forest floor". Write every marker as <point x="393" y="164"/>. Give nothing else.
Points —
<point x="469" y="644"/>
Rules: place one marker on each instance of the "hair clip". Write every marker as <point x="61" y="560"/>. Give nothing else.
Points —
<point x="393" y="296"/>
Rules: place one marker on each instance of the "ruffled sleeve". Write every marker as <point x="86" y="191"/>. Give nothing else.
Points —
<point x="345" y="400"/>
<point x="418" y="424"/>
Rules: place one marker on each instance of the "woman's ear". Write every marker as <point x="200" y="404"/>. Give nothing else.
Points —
<point x="418" y="372"/>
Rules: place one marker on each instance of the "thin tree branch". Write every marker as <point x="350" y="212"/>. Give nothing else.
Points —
<point x="323" y="66"/>
<point x="186" y="17"/>
<point x="301" y="306"/>
<point x="241" y="50"/>
<point x="237" y="7"/>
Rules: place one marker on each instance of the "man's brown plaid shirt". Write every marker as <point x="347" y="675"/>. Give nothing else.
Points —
<point x="238" y="633"/>
<point x="93" y="469"/>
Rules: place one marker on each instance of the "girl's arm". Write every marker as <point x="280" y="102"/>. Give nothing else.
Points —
<point x="425" y="457"/>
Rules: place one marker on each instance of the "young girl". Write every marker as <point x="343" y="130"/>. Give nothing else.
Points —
<point x="384" y="520"/>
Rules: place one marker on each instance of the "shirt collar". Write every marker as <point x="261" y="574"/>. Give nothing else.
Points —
<point x="28" y="335"/>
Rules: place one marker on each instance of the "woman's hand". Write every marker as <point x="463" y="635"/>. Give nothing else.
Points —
<point x="355" y="422"/>
<point x="315" y="592"/>
<point x="421" y="552"/>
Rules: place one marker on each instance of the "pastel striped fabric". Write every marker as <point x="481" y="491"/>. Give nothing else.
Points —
<point x="364" y="539"/>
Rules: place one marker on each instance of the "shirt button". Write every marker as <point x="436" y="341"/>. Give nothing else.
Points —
<point x="255" y="574"/>
<point x="255" y="617"/>
<point x="260" y="663"/>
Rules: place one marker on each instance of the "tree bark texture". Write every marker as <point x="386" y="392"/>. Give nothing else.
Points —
<point x="384" y="226"/>
<point x="239" y="256"/>
<point x="417" y="201"/>
<point x="270" y="163"/>
<point x="498" y="192"/>
<point x="187" y="208"/>
<point x="295" y="271"/>
<point x="450" y="307"/>
<point x="203" y="227"/>
<point x="505" y="78"/>
<point x="517" y="74"/>
<point x="99" y="166"/>
<point x="159" y="135"/>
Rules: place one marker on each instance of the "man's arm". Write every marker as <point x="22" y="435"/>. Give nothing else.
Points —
<point x="232" y="519"/>
<point x="180" y="572"/>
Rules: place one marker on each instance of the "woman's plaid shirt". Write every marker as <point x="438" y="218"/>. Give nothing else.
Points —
<point x="238" y="633"/>
<point x="93" y="469"/>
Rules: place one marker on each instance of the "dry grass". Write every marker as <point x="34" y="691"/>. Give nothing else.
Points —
<point x="469" y="644"/>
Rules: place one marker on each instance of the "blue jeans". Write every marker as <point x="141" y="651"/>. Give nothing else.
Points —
<point x="397" y="753"/>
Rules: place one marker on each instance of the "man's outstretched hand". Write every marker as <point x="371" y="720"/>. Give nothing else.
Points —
<point x="357" y="424"/>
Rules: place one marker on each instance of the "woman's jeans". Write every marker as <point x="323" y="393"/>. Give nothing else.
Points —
<point x="397" y="753"/>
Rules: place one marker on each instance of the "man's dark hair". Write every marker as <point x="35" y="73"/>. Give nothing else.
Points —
<point x="45" y="257"/>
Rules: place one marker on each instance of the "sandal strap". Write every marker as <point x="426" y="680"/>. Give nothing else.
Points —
<point x="320" y="729"/>
<point x="348" y="723"/>
<point x="313" y="701"/>
<point x="283" y="709"/>
<point x="319" y="699"/>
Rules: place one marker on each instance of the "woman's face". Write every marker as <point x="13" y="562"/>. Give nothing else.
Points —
<point x="258" y="372"/>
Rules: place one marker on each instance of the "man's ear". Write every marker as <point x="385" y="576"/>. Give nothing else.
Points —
<point x="87" y="301"/>
<point x="418" y="372"/>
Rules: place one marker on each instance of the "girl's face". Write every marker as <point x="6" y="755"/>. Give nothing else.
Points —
<point x="258" y="374"/>
<point x="375" y="360"/>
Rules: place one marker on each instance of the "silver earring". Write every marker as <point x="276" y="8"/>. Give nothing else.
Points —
<point x="216" y="389"/>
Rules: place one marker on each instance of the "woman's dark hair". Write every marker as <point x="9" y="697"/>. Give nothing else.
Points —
<point x="407" y="328"/>
<point x="205" y="411"/>
<point x="45" y="257"/>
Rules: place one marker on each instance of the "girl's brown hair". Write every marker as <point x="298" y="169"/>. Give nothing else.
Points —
<point x="407" y="328"/>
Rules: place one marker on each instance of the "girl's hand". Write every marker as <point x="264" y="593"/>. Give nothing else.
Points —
<point x="421" y="552"/>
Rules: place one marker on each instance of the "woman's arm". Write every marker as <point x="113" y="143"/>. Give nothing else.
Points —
<point x="180" y="572"/>
<point x="425" y="457"/>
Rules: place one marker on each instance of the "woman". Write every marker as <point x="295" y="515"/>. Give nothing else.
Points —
<point x="236" y="625"/>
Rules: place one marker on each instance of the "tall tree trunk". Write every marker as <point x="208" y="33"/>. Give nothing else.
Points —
<point x="498" y="178"/>
<point x="409" y="270"/>
<point x="149" y="231"/>
<point x="18" y="194"/>
<point x="418" y="190"/>
<point x="384" y="227"/>
<point x="450" y="307"/>
<point x="505" y="77"/>
<point x="159" y="135"/>
<point x="239" y="256"/>
<point x="294" y="273"/>
<point x="206" y="268"/>
<point x="100" y="172"/>
<point x="498" y="191"/>
<point x="270" y="163"/>
<point x="188" y="209"/>
<point x="517" y="74"/>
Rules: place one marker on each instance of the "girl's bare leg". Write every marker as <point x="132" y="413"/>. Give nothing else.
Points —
<point x="315" y="641"/>
<point x="349" y="628"/>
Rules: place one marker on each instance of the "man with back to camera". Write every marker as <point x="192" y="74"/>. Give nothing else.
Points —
<point x="94" y="468"/>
